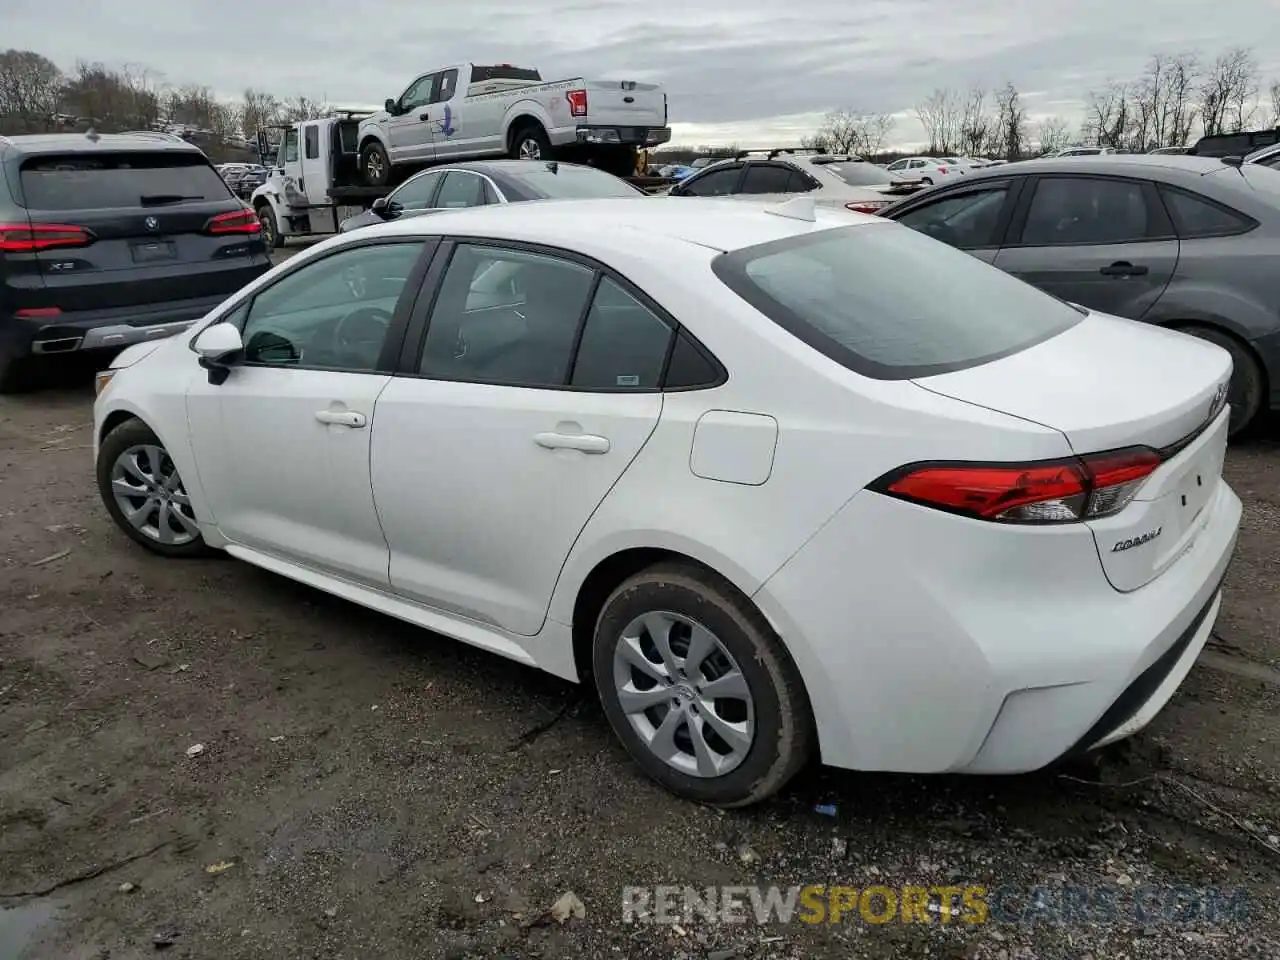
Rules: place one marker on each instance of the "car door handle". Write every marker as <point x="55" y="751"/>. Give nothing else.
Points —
<point x="1122" y="268"/>
<point x="342" y="418"/>
<point x="585" y="442"/>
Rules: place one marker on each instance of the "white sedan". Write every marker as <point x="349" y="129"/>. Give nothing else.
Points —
<point x="931" y="170"/>
<point x="780" y="482"/>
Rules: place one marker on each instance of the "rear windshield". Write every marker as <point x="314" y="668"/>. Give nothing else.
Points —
<point x="565" y="181"/>
<point x="501" y="72"/>
<point x="102" y="181"/>
<point x="859" y="174"/>
<point x="890" y="303"/>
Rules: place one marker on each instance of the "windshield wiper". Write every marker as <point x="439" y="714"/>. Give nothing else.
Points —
<point x="160" y="199"/>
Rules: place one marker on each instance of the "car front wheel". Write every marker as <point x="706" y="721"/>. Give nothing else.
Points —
<point x="144" y="493"/>
<point x="699" y="688"/>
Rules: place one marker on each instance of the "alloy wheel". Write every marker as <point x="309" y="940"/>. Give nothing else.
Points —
<point x="149" y="492"/>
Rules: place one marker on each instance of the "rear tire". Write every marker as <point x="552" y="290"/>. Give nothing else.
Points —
<point x="375" y="165"/>
<point x="270" y="227"/>
<point x="530" y="142"/>
<point x="132" y="454"/>
<point x="927" y="181"/>
<point x="663" y="706"/>
<point x="1248" y="381"/>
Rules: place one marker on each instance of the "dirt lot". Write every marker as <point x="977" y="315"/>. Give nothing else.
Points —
<point x="369" y="790"/>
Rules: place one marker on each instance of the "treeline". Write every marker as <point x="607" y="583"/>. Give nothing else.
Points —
<point x="36" y="96"/>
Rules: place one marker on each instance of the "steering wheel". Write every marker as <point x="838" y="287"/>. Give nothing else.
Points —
<point x="359" y="335"/>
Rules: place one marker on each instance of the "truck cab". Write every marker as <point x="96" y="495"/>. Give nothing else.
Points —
<point x="314" y="183"/>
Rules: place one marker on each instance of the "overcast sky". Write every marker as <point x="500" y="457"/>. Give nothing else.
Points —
<point x="745" y="71"/>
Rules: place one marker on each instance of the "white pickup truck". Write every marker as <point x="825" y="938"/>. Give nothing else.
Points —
<point x="468" y="111"/>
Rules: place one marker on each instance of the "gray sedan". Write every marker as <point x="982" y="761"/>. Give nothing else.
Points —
<point x="482" y="182"/>
<point x="1191" y="243"/>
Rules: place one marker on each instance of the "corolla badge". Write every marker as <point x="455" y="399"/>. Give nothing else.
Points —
<point x="152" y="223"/>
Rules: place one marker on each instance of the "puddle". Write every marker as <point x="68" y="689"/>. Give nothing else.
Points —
<point x="21" y="925"/>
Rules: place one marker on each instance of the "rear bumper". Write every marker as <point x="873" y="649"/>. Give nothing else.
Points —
<point x="968" y="649"/>
<point x="103" y="329"/>
<point x="623" y="136"/>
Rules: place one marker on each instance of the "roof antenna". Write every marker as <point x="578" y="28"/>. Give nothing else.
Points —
<point x="797" y="208"/>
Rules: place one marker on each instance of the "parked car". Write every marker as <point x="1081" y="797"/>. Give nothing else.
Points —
<point x="830" y="180"/>
<point x="782" y="482"/>
<point x="1186" y="242"/>
<point x="1266" y="157"/>
<point x="1083" y="152"/>
<point x="482" y="182"/>
<point x="929" y="170"/>
<point x="107" y="240"/>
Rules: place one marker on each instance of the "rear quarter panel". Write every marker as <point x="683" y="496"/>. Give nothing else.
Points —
<point x="1230" y="282"/>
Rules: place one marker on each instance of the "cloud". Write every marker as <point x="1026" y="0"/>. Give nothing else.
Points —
<point x="750" y="71"/>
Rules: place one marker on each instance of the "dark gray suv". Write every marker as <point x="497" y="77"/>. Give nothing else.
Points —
<point x="1186" y="242"/>
<point x="110" y="240"/>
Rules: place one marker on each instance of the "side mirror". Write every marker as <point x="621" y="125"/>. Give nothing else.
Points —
<point x="391" y="106"/>
<point x="217" y="346"/>
<point x="380" y="206"/>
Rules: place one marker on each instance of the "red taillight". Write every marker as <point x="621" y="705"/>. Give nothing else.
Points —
<point x="1060" y="491"/>
<point x="235" y="221"/>
<point x="867" y="206"/>
<point x="37" y="313"/>
<point x="30" y="238"/>
<point x="942" y="169"/>
<point x="577" y="102"/>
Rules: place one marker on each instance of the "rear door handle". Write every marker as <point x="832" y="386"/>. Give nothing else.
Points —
<point x="585" y="442"/>
<point x="1122" y="268"/>
<point x="342" y="418"/>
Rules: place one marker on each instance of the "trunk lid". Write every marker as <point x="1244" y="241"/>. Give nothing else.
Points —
<point x="1106" y="384"/>
<point x="625" y="102"/>
<point x="146" y="214"/>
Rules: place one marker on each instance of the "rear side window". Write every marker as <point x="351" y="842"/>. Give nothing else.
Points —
<point x="1070" y="210"/>
<point x="1195" y="216"/>
<point x="890" y="303"/>
<point x="624" y="343"/>
<point x="105" y="181"/>
<point x="502" y="72"/>
<point x="716" y="183"/>
<point x="768" y="178"/>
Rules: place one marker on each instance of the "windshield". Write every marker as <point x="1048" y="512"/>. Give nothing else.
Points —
<point x="860" y="174"/>
<point x="566" y="181"/>
<point x="890" y="303"/>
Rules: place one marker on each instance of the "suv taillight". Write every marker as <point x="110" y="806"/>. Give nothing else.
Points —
<point x="577" y="102"/>
<point x="29" y="238"/>
<point x="234" y="221"/>
<point x="1057" y="491"/>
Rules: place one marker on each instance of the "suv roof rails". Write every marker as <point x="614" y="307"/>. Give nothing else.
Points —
<point x="837" y="158"/>
<point x="153" y="135"/>
<point x="772" y="152"/>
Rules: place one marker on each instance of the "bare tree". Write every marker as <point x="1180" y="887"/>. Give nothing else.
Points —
<point x="876" y="128"/>
<point x="258" y="109"/>
<point x="1011" y="121"/>
<point x="1108" y="115"/>
<point x="846" y="131"/>
<point x="975" y="124"/>
<point x="1229" y="92"/>
<point x="30" y="92"/>
<point x="1054" y="134"/>
<point x="942" y="116"/>
<point x="1275" y="103"/>
<point x="1182" y="73"/>
<point x="300" y="107"/>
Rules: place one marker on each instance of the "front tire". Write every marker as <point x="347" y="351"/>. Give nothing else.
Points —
<point x="142" y="490"/>
<point x="1248" y="382"/>
<point x="375" y="165"/>
<point x="699" y="688"/>
<point x="270" y="227"/>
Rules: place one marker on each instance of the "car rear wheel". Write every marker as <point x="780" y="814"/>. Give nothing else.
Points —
<point x="17" y="374"/>
<point x="1248" y="382"/>
<point x="927" y="181"/>
<point x="375" y="166"/>
<point x="144" y="493"/>
<point x="699" y="688"/>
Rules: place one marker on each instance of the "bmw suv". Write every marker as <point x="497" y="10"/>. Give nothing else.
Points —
<point x="109" y="240"/>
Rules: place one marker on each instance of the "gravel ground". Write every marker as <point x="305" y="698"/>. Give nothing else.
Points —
<point x="365" y="789"/>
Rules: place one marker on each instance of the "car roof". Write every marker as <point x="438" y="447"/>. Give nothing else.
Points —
<point x="38" y="143"/>
<point x="718" y="224"/>
<point x="1119" y="164"/>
